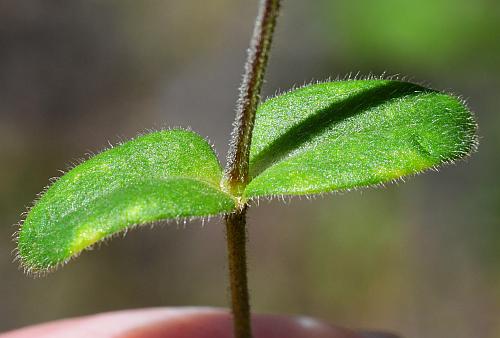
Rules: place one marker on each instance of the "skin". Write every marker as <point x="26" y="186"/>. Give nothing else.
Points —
<point x="183" y="323"/>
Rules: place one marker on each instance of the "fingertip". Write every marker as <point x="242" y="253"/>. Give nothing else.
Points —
<point x="183" y="323"/>
<point x="217" y="323"/>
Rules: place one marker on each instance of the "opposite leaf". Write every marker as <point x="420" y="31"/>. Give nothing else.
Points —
<point x="349" y="134"/>
<point x="162" y="175"/>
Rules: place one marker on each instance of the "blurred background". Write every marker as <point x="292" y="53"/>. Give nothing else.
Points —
<point x="421" y="258"/>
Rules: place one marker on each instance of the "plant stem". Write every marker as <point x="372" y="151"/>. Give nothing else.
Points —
<point x="236" y="242"/>
<point x="236" y="173"/>
<point x="249" y="97"/>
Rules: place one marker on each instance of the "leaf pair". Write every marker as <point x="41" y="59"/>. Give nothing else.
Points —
<point x="317" y="139"/>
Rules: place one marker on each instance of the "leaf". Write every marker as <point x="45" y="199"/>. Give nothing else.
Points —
<point x="162" y="175"/>
<point x="348" y="134"/>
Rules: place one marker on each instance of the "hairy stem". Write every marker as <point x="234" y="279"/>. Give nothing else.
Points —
<point x="236" y="242"/>
<point x="249" y="97"/>
<point x="236" y="173"/>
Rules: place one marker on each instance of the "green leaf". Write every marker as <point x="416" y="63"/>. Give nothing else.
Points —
<point x="348" y="134"/>
<point x="163" y="175"/>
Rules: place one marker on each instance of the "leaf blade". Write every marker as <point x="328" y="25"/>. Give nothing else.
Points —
<point x="162" y="175"/>
<point x="343" y="135"/>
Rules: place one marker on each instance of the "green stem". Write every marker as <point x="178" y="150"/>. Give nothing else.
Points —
<point x="236" y="173"/>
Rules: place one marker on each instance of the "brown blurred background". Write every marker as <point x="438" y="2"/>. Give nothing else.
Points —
<point x="421" y="258"/>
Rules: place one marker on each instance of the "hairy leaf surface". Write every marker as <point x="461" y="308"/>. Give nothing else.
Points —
<point x="348" y="134"/>
<point x="162" y="175"/>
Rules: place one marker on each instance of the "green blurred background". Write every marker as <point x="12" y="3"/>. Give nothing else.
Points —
<point x="421" y="258"/>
